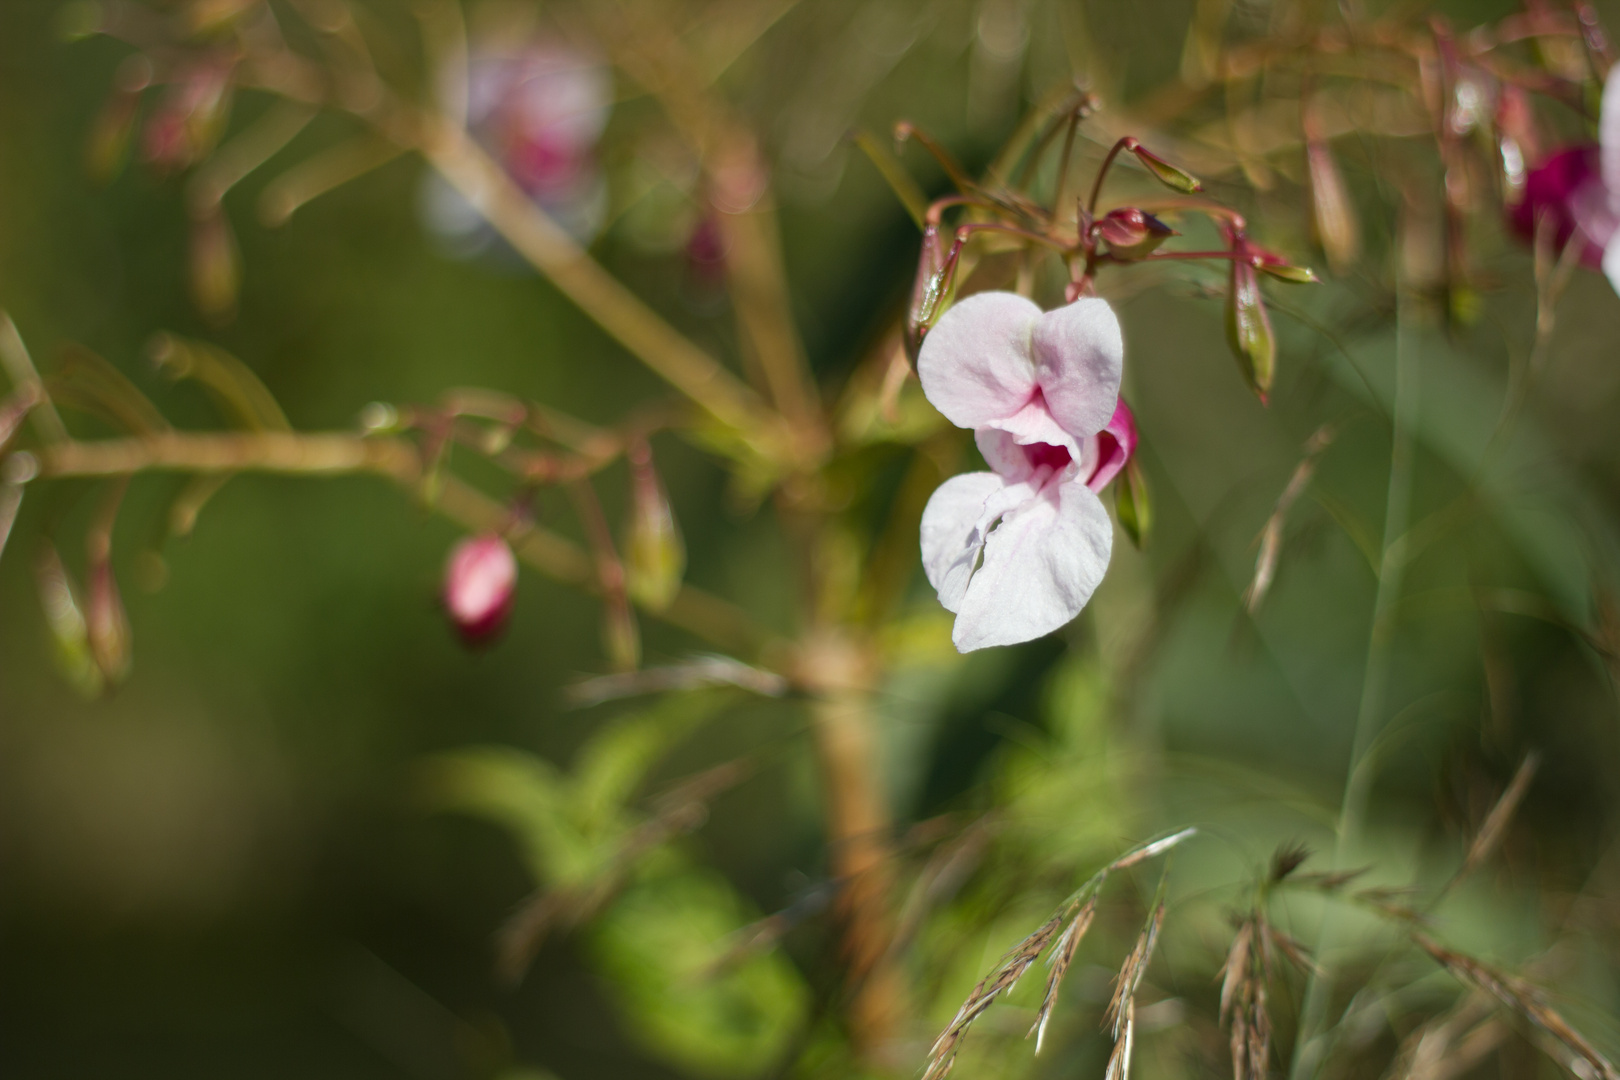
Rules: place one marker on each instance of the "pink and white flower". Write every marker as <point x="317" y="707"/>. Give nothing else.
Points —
<point x="1018" y="551"/>
<point x="539" y="106"/>
<point x="1576" y="192"/>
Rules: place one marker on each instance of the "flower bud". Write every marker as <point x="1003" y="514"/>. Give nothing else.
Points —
<point x="655" y="557"/>
<point x="191" y="117"/>
<point x="107" y="624"/>
<point x="65" y="619"/>
<point x="1333" y="217"/>
<point x="925" y="290"/>
<point x="1517" y="138"/>
<point x="110" y="136"/>
<point x="216" y="265"/>
<point x="706" y="250"/>
<point x="1132" y="506"/>
<point x="1248" y="328"/>
<point x="1166" y="173"/>
<point x="1284" y="271"/>
<point x="1132" y="233"/>
<point x="621" y="639"/>
<point x="480" y="580"/>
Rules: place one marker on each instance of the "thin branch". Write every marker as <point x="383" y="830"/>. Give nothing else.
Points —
<point x="338" y="454"/>
<point x="25" y="377"/>
<point x="661" y="347"/>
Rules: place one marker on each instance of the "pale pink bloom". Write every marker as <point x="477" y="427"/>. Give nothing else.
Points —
<point x="480" y="581"/>
<point x="1017" y="552"/>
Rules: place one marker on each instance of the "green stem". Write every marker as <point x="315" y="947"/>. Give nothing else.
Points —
<point x="1310" y="1046"/>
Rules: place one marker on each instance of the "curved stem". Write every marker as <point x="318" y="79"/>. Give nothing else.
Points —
<point x="1096" y="187"/>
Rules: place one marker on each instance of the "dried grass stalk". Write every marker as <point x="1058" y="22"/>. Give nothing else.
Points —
<point x="1246" y="979"/>
<point x="1121" y="1014"/>
<point x="1450" y="1045"/>
<point x="1583" y="1059"/>
<point x="1265" y="565"/>
<point x="1077" y="912"/>
<point x="1496" y="822"/>
<point x="1062" y="956"/>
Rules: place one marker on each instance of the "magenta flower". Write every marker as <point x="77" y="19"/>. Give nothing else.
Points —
<point x="1576" y="192"/>
<point x="1017" y="552"/>
<point x="480" y="580"/>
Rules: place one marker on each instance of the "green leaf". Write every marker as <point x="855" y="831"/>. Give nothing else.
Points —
<point x="661" y="944"/>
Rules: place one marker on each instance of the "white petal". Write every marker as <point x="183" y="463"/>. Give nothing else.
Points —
<point x="1611" y="263"/>
<point x="951" y="532"/>
<point x="1041" y="565"/>
<point x="1079" y="353"/>
<point x="975" y="364"/>
<point x="1609" y="133"/>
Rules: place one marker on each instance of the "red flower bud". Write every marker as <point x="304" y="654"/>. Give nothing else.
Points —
<point x="1132" y="233"/>
<point x="480" y="580"/>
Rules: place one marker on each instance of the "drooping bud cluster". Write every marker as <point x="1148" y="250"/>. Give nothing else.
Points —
<point x="480" y="582"/>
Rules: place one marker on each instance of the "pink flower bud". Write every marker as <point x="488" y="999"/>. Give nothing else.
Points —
<point x="480" y="580"/>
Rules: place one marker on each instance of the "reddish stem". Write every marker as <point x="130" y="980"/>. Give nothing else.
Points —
<point x="1127" y="143"/>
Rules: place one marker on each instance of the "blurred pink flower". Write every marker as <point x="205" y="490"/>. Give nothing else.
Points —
<point x="1017" y="552"/>
<point x="480" y="581"/>
<point x="1576" y="192"/>
<point x="540" y="108"/>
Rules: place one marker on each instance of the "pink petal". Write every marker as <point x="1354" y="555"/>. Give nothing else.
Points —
<point x="1079" y="353"/>
<point x="975" y="364"/>
<point x="1115" y="445"/>
<point x="1007" y="454"/>
<point x="1034" y="423"/>
<point x="1040" y="567"/>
